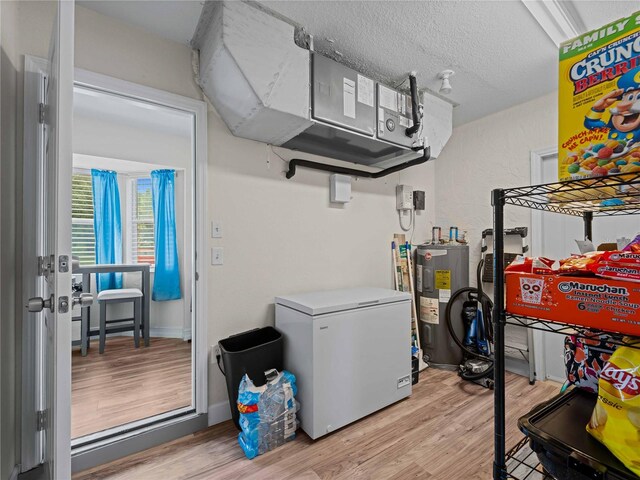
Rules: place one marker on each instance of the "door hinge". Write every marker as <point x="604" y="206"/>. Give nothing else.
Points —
<point x="42" y="113"/>
<point x="41" y="419"/>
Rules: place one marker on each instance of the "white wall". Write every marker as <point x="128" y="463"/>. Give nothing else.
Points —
<point x="9" y="280"/>
<point x="492" y="152"/>
<point x="280" y="236"/>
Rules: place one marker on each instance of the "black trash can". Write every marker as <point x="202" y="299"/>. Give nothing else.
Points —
<point x="253" y="353"/>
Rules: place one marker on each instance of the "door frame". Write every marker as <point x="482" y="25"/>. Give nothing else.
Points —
<point x="164" y="427"/>
<point x="537" y="157"/>
<point x="31" y="448"/>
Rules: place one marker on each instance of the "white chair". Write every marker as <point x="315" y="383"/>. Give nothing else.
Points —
<point x="121" y="295"/>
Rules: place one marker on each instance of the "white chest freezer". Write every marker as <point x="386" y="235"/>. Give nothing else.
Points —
<point x="350" y="351"/>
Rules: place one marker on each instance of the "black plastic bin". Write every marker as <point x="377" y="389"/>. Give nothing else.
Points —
<point x="253" y="353"/>
<point x="557" y="434"/>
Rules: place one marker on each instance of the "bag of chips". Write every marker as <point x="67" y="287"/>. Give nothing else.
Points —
<point x="537" y="265"/>
<point x="634" y="246"/>
<point x="585" y="355"/>
<point x="615" y="421"/>
<point x="579" y="264"/>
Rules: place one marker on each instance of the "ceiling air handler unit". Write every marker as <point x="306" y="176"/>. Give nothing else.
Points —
<point x="267" y="88"/>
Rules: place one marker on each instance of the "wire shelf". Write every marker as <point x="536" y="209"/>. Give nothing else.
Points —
<point x="523" y="464"/>
<point x="579" y="331"/>
<point x="602" y="196"/>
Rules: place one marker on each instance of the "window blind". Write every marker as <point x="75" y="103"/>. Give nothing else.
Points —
<point x="142" y="236"/>
<point x="83" y="241"/>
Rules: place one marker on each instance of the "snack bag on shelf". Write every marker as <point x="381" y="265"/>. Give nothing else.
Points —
<point x="620" y="265"/>
<point x="577" y="264"/>
<point x="615" y="421"/>
<point x="585" y="355"/>
<point x="537" y="265"/>
<point x="634" y="246"/>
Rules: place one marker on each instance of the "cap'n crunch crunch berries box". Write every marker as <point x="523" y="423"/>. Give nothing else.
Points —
<point x="599" y="101"/>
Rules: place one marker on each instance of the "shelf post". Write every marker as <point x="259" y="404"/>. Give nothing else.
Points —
<point x="499" y="319"/>
<point x="588" y="222"/>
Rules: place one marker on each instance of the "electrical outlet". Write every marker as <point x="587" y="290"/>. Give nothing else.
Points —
<point x="217" y="256"/>
<point x="215" y="351"/>
<point x="216" y="229"/>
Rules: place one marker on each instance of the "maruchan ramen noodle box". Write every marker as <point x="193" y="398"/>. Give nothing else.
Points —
<point x="615" y="421"/>
<point x="601" y="303"/>
<point x="599" y="101"/>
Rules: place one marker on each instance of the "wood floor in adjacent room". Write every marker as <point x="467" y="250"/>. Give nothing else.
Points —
<point x="444" y="431"/>
<point x="125" y="384"/>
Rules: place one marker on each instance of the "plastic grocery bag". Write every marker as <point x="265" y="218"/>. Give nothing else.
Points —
<point x="267" y="413"/>
<point x="615" y="421"/>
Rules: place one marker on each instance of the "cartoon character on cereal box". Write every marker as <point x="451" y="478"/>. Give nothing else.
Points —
<point x="624" y="121"/>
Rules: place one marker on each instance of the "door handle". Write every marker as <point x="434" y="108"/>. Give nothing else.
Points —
<point x="82" y="300"/>
<point x="37" y="304"/>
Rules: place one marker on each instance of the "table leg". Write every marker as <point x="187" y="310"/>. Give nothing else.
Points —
<point x="146" y="307"/>
<point x="85" y="324"/>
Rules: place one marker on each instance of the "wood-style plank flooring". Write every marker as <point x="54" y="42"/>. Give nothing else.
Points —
<point x="444" y="431"/>
<point x="126" y="383"/>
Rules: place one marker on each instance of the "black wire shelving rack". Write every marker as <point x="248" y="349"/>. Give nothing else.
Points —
<point x="588" y="198"/>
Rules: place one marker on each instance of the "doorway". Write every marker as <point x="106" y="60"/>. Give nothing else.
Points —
<point x="138" y="370"/>
<point x="554" y="236"/>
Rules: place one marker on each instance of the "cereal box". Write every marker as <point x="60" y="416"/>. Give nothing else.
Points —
<point x="599" y="101"/>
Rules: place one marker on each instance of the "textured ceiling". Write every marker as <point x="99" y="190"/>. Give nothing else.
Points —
<point x="500" y="54"/>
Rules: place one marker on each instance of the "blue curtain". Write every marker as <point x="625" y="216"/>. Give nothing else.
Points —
<point x="166" y="280"/>
<point x="107" y="225"/>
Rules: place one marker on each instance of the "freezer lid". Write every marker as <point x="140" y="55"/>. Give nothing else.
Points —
<point x="318" y="303"/>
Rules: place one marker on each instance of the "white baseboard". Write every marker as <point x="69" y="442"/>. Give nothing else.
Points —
<point x="14" y="473"/>
<point x="219" y="412"/>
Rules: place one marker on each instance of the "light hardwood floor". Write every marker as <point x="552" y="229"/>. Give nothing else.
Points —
<point x="126" y="383"/>
<point x="443" y="431"/>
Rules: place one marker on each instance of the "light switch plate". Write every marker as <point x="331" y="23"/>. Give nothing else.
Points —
<point x="217" y="256"/>
<point x="216" y="229"/>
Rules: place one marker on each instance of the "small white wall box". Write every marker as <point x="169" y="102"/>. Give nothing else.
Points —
<point x="340" y="188"/>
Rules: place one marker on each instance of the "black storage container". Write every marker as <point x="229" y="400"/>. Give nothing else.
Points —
<point x="253" y="353"/>
<point x="415" y="370"/>
<point x="558" y="435"/>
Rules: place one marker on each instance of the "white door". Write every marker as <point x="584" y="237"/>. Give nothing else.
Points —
<point x="554" y="236"/>
<point x="52" y="215"/>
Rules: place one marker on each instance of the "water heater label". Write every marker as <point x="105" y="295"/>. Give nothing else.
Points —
<point x="443" y="279"/>
<point x="429" y="310"/>
<point x="444" y="294"/>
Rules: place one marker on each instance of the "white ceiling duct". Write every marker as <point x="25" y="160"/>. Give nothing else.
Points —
<point x="267" y="88"/>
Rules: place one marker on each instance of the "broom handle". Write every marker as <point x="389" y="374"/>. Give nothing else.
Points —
<point x="413" y="296"/>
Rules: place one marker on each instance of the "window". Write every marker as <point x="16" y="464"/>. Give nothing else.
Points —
<point x="142" y="244"/>
<point x="83" y="240"/>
